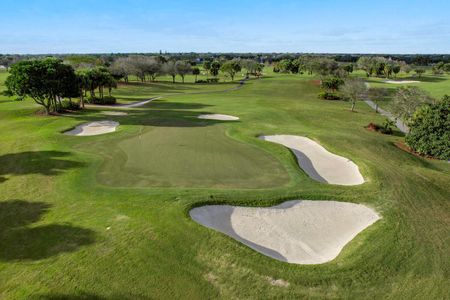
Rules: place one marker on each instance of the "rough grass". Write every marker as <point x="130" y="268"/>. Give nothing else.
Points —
<point x="65" y="235"/>
<point x="436" y="85"/>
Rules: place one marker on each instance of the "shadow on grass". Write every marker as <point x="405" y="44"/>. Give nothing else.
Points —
<point x="87" y="296"/>
<point x="36" y="162"/>
<point x="21" y="242"/>
<point x="159" y="104"/>
<point x="160" y="113"/>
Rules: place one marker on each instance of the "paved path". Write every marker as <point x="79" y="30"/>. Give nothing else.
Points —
<point x="400" y="125"/>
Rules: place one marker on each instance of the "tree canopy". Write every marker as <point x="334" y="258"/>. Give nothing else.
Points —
<point x="430" y="129"/>
<point x="46" y="81"/>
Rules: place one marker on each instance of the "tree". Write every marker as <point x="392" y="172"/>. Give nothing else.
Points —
<point x="122" y="68"/>
<point x="183" y="68"/>
<point x="99" y="78"/>
<point x="250" y="65"/>
<point x="446" y="68"/>
<point x="285" y="65"/>
<point x="405" y="67"/>
<point x="348" y="68"/>
<point x="169" y="68"/>
<point x="215" y="67"/>
<point x="46" y="81"/>
<point x="377" y="94"/>
<point x="353" y="89"/>
<point x="152" y="67"/>
<point x="366" y="63"/>
<point x="83" y="84"/>
<point x="430" y="129"/>
<point x="207" y="66"/>
<point x="332" y="83"/>
<point x="396" y="69"/>
<point x="231" y="68"/>
<point x="196" y="72"/>
<point x="324" y="66"/>
<point x="406" y="100"/>
<point x="419" y="71"/>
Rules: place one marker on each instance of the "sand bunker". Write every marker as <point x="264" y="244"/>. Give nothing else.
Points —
<point x="401" y="81"/>
<point x="218" y="117"/>
<point x="317" y="162"/>
<point x="93" y="128"/>
<point x="300" y="232"/>
<point x="114" y="113"/>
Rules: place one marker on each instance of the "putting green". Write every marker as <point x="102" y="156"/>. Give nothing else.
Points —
<point x="202" y="156"/>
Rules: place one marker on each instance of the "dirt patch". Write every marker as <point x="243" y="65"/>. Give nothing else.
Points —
<point x="315" y="82"/>
<point x="277" y="282"/>
<point x="406" y="148"/>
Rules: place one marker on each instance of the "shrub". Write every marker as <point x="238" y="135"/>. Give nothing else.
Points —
<point x="387" y="127"/>
<point x="107" y="100"/>
<point x="332" y="83"/>
<point x="430" y="130"/>
<point x="69" y="105"/>
<point x="329" y="96"/>
<point x="209" y="80"/>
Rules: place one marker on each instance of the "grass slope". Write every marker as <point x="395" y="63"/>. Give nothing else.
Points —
<point x="65" y="235"/>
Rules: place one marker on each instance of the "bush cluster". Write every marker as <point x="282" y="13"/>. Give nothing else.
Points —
<point x="106" y="100"/>
<point x="430" y="130"/>
<point x="208" y="80"/>
<point x="329" y="96"/>
<point x="69" y="105"/>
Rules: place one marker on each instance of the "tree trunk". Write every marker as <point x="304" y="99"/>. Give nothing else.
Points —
<point x="173" y="78"/>
<point x="182" y="78"/>
<point x="195" y="77"/>
<point x="353" y="105"/>
<point x="81" y="99"/>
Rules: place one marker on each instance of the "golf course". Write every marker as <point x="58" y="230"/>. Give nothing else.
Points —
<point x="236" y="149"/>
<point x="106" y="211"/>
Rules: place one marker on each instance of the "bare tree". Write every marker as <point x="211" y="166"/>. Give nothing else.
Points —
<point x="407" y="100"/>
<point x="377" y="94"/>
<point x="183" y="68"/>
<point x="353" y="89"/>
<point x="169" y="68"/>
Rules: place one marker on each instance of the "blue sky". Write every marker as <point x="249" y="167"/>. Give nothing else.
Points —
<point x="356" y="26"/>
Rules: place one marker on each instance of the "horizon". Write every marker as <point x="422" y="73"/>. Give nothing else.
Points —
<point x="246" y="26"/>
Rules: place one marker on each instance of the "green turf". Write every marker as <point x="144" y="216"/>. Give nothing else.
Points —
<point x="188" y="154"/>
<point x="436" y="85"/>
<point x="66" y="233"/>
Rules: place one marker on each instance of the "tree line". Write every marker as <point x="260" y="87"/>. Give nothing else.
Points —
<point x="148" y="68"/>
<point x="53" y="83"/>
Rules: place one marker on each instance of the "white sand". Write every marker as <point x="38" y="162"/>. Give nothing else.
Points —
<point x="93" y="128"/>
<point x="317" y="162"/>
<point x="300" y="232"/>
<point x="218" y="117"/>
<point x="114" y="113"/>
<point x="401" y="81"/>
